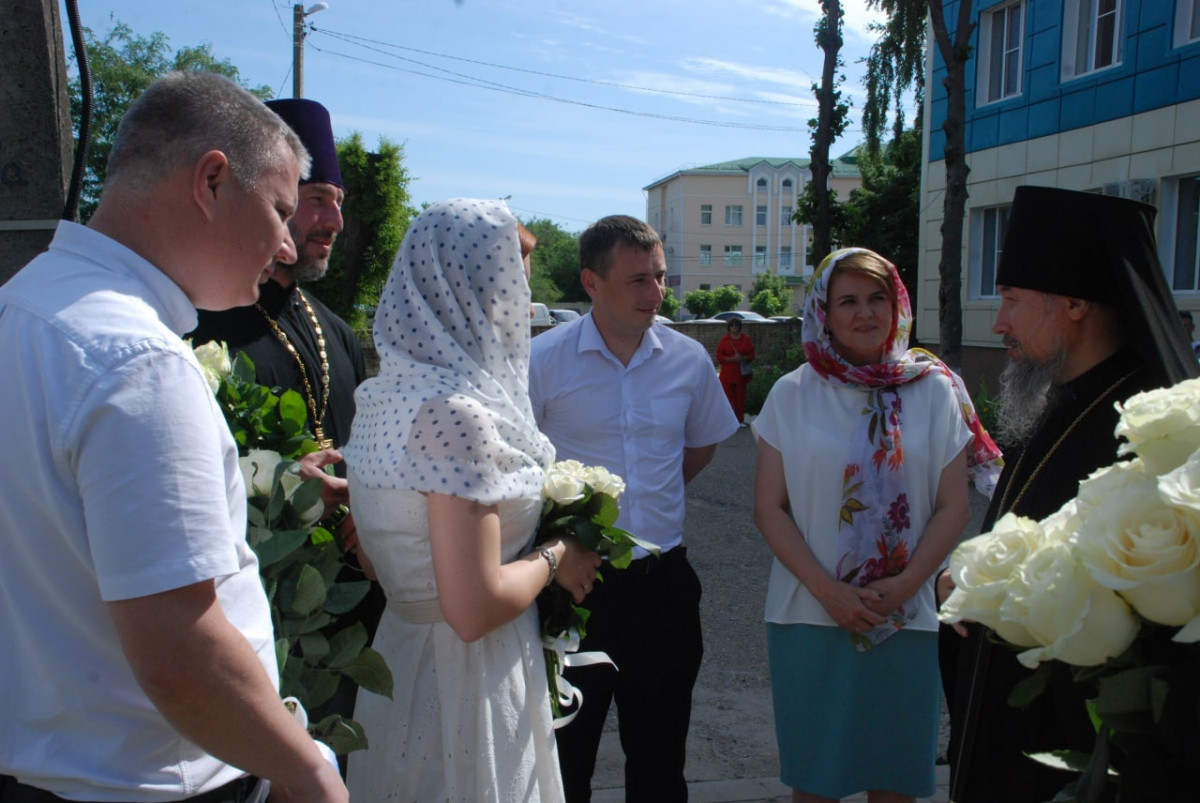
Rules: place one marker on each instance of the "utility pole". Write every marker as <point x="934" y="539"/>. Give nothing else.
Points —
<point x="35" y="130"/>
<point x="298" y="15"/>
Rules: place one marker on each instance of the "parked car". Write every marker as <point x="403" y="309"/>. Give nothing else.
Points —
<point x="662" y="319"/>
<point x="786" y="318"/>
<point x="741" y="315"/>
<point x="539" y="315"/>
<point x="564" y="315"/>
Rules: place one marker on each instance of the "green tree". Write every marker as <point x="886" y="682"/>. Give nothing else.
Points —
<point x="894" y="67"/>
<point x="884" y="215"/>
<point x="670" y="306"/>
<point x="554" y="265"/>
<point x="830" y="123"/>
<point x="376" y="214"/>
<point x="727" y="298"/>
<point x="700" y="303"/>
<point x="770" y="295"/>
<point x="123" y="64"/>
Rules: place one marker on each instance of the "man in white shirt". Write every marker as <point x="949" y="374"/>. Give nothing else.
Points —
<point x="616" y="390"/>
<point x="135" y="638"/>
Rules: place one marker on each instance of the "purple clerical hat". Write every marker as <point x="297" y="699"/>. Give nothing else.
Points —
<point x="310" y="121"/>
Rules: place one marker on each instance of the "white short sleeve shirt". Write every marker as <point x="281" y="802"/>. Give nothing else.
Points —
<point x="634" y="420"/>
<point x="810" y="421"/>
<point x="121" y="481"/>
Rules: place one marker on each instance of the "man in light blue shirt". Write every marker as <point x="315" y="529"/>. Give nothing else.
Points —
<point x="616" y="390"/>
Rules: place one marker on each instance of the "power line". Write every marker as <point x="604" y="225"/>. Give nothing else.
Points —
<point x="468" y="80"/>
<point x="354" y="39"/>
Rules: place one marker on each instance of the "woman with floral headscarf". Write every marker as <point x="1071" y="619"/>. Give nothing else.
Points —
<point x="446" y="467"/>
<point x="861" y="493"/>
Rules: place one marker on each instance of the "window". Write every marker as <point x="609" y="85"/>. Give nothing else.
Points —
<point x="705" y="214"/>
<point x="760" y="256"/>
<point x="733" y="215"/>
<point x="1000" y="37"/>
<point x="1185" y="270"/>
<point x="706" y="287"/>
<point x="733" y="256"/>
<point x="785" y="215"/>
<point x="987" y="239"/>
<point x="785" y="258"/>
<point x="706" y="255"/>
<point x="787" y="184"/>
<point x="761" y="183"/>
<point x="1091" y="35"/>
<point x="1187" y="22"/>
<point x="760" y="216"/>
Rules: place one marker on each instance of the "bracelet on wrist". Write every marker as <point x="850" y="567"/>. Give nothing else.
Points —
<point x="548" y="554"/>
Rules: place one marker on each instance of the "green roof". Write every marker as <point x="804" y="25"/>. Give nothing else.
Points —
<point x="845" y="165"/>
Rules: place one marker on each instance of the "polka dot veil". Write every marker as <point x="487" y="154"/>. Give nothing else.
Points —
<point x="449" y="411"/>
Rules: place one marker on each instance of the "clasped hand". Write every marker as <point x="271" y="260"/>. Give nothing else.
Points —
<point x="576" y="568"/>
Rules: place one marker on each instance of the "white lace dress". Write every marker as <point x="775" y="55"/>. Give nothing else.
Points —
<point x="467" y="722"/>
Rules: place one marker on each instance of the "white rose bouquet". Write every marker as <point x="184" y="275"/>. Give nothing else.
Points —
<point x="1110" y="584"/>
<point x="581" y="503"/>
<point x="299" y="559"/>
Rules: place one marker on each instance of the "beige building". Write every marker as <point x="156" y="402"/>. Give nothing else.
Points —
<point x="726" y="223"/>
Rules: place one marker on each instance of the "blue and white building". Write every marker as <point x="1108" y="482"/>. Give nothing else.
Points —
<point x="1094" y="95"/>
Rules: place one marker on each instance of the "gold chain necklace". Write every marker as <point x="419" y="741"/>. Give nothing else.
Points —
<point x="317" y="415"/>
<point x="1004" y="507"/>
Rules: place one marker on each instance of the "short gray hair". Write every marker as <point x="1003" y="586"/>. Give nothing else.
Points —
<point x="185" y="114"/>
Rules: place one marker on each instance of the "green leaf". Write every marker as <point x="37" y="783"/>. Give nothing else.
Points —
<point x="371" y="672"/>
<point x="314" y="646"/>
<point x="307" y="495"/>
<point x="341" y="734"/>
<point x="607" y="514"/>
<point x="1028" y="690"/>
<point x="279" y="545"/>
<point x="1068" y="760"/>
<point x="342" y="597"/>
<point x="298" y="627"/>
<point x="620" y="555"/>
<point x="346" y="645"/>
<point x="319" y="687"/>
<point x="293" y="411"/>
<point x="310" y="591"/>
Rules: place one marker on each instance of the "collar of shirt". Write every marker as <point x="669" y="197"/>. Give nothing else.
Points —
<point x="168" y="300"/>
<point x="590" y="339"/>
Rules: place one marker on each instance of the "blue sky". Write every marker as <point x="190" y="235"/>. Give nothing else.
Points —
<point x="568" y="106"/>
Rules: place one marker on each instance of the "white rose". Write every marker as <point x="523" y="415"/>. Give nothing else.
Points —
<point x="981" y="568"/>
<point x="1144" y="549"/>
<point x="291" y="482"/>
<point x="258" y="471"/>
<point x="1162" y="425"/>
<point x="1074" y="619"/>
<point x="604" y="481"/>
<point x="564" y="483"/>
<point x="1181" y="487"/>
<point x="214" y="361"/>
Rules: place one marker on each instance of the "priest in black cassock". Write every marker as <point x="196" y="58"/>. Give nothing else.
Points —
<point x="298" y="343"/>
<point x="1088" y="321"/>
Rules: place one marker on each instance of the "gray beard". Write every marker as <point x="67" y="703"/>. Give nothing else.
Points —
<point x="305" y="269"/>
<point x="1024" y="392"/>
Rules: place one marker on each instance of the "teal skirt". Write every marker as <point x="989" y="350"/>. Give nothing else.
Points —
<point x="847" y="721"/>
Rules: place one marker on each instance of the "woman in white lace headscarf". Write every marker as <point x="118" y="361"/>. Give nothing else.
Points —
<point x="446" y="468"/>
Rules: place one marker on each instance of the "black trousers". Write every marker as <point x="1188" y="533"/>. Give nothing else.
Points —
<point x="647" y="618"/>
<point x="13" y="791"/>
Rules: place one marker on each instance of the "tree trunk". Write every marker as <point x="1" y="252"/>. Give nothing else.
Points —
<point x="829" y="39"/>
<point x="955" y="54"/>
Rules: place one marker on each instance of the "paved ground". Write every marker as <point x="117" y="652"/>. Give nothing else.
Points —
<point x="731" y="747"/>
